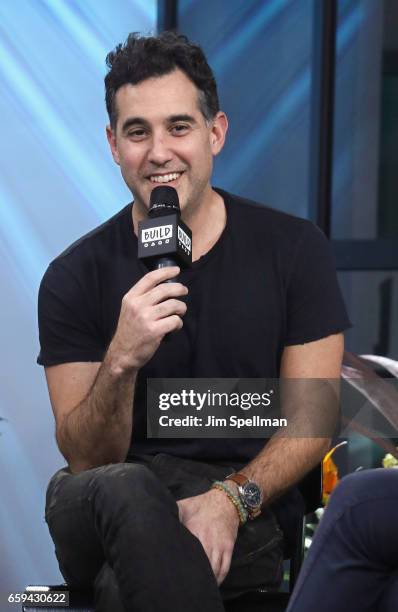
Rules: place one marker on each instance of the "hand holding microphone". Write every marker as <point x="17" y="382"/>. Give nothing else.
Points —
<point x="151" y="309"/>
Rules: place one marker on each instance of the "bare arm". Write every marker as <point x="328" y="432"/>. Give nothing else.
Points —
<point x="93" y="409"/>
<point x="283" y="461"/>
<point x="286" y="459"/>
<point x="93" y="402"/>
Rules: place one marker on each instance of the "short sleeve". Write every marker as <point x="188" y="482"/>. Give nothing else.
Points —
<point x="315" y="307"/>
<point x="68" y="322"/>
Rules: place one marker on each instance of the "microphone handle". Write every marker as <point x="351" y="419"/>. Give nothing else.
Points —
<point x="166" y="262"/>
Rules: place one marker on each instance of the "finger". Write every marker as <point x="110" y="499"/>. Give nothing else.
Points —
<point x="163" y="292"/>
<point x="169" y="307"/>
<point x="224" y="567"/>
<point x="179" y="507"/>
<point x="169" y="324"/>
<point x="150" y="280"/>
<point x="215" y="562"/>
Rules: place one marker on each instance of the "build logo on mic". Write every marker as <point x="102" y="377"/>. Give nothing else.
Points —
<point x="159" y="233"/>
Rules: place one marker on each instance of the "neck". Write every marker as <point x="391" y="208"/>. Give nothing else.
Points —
<point x="207" y="224"/>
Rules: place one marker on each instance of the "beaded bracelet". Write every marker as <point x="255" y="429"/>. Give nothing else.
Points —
<point x="242" y="512"/>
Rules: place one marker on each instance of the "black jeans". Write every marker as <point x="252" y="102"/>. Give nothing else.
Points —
<point x="352" y="564"/>
<point x="116" y="529"/>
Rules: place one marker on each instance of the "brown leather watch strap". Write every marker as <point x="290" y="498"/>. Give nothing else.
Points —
<point x="240" y="479"/>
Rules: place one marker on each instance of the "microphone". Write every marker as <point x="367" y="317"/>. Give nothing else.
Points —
<point x="164" y="239"/>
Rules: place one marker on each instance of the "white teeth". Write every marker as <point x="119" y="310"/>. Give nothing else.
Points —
<point x="166" y="178"/>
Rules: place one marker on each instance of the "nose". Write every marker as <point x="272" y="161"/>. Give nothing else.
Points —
<point x="159" y="152"/>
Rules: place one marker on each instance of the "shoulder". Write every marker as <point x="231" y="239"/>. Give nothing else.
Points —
<point x="93" y="247"/>
<point x="260" y="220"/>
<point x="101" y="236"/>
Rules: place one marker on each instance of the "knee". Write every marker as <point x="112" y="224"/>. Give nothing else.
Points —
<point x="123" y="476"/>
<point x="123" y="483"/>
<point x="366" y="485"/>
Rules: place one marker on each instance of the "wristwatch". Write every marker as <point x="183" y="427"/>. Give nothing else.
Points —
<point x="249" y="493"/>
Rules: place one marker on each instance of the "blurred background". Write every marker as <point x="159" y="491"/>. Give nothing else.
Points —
<point x="312" y="99"/>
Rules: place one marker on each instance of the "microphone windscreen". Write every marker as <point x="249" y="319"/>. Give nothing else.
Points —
<point x="164" y="200"/>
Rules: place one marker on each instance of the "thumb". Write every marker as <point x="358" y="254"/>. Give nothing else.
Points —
<point x="180" y="511"/>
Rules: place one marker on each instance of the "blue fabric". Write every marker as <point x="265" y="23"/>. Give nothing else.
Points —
<point x="352" y="565"/>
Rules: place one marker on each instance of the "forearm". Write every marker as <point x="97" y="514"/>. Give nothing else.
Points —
<point x="311" y="407"/>
<point x="98" y="430"/>
<point x="283" y="462"/>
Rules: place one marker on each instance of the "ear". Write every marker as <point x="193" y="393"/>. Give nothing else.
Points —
<point x="111" y="136"/>
<point x="218" y="132"/>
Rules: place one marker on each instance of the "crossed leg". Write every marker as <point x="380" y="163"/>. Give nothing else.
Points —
<point x="122" y="515"/>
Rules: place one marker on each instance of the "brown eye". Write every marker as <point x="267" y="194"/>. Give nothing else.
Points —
<point x="136" y="134"/>
<point x="179" y="128"/>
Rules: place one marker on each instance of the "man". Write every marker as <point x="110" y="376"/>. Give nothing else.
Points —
<point x="261" y="300"/>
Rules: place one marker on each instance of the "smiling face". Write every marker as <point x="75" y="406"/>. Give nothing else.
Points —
<point x="162" y="137"/>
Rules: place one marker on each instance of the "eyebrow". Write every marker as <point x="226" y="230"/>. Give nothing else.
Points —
<point x="132" y="121"/>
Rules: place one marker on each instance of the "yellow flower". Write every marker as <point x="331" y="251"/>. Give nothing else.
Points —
<point x="389" y="461"/>
<point x="330" y="474"/>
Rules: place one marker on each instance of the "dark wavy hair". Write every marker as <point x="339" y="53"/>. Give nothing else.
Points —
<point x="142" y="57"/>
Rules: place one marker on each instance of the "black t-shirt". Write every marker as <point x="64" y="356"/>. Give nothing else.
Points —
<point x="268" y="282"/>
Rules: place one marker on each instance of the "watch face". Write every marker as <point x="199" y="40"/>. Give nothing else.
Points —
<point x="252" y="495"/>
